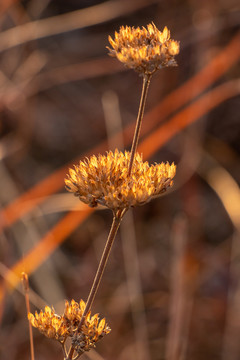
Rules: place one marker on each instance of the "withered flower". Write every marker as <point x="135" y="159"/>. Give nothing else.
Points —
<point x="145" y="50"/>
<point x="104" y="180"/>
<point x="49" y="324"/>
<point x="91" y="331"/>
<point x="60" y="327"/>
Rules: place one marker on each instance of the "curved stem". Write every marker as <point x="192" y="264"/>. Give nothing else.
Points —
<point x="146" y="82"/>
<point x="101" y="267"/>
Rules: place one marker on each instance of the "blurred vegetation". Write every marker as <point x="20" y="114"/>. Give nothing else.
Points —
<point x="171" y="289"/>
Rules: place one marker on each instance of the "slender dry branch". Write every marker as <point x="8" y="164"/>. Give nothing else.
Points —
<point x="146" y="82"/>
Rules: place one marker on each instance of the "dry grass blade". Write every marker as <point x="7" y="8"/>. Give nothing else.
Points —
<point x="193" y="87"/>
<point x="181" y="293"/>
<point x="14" y="279"/>
<point x="67" y="22"/>
<point x="187" y="116"/>
<point x="228" y="192"/>
<point x="47" y="245"/>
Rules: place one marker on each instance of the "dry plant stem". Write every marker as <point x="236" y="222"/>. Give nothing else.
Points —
<point x="146" y="82"/>
<point x="30" y="328"/>
<point x="102" y="264"/>
<point x="26" y="291"/>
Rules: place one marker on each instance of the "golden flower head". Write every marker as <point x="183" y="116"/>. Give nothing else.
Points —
<point x="60" y="327"/>
<point x="104" y="180"/>
<point x="144" y="50"/>
<point x="49" y="324"/>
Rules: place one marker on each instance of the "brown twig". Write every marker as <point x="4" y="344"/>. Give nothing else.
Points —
<point x="180" y="298"/>
<point x="67" y="22"/>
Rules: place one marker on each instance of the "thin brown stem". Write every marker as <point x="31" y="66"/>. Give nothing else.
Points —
<point x="25" y="284"/>
<point x="112" y="234"/>
<point x="101" y="267"/>
<point x="146" y="82"/>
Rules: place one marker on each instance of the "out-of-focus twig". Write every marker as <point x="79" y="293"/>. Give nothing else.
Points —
<point x="134" y="286"/>
<point x="47" y="245"/>
<point x="74" y="72"/>
<point x="180" y="294"/>
<point x="229" y="193"/>
<point x="187" y="116"/>
<point x="113" y="121"/>
<point x="14" y="279"/>
<point x="12" y="92"/>
<point x="70" y="21"/>
<point x="226" y="188"/>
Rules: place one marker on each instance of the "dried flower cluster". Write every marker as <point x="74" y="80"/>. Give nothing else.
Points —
<point x="104" y="180"/>
<point x="144" y="50"/>
<point x="60" y="327"/>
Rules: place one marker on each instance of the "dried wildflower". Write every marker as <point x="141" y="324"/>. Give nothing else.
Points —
<point x="49" y="324"/>
<point x="91" y="331"/>
<point x="73" y="313"/>
<point x="144" y="50"/>
<point x="60" y="327"/>
<point x="104" y="180"/>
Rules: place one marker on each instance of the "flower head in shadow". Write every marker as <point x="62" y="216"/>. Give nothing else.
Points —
<point x="145" y="50"/>
<point x="104" y="180"/>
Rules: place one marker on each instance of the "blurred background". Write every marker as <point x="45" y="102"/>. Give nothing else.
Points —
<point x="171" y="289"/>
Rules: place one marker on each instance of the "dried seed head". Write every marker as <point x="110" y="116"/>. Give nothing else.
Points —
<point x="144" y="50"/>
<point x="60" y="327"/>
<point x="104" y="180"/>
